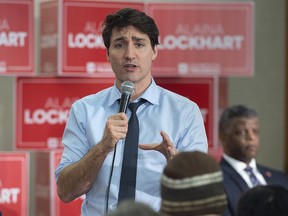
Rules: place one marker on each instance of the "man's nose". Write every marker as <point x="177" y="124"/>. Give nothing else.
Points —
<point x="130" y="52"/>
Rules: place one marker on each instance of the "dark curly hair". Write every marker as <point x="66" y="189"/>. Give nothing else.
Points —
<point x="264" y="200"/>
<point x="130" y="17"/>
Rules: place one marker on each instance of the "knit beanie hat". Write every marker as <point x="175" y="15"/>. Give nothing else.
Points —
<point x="191" y="184"/>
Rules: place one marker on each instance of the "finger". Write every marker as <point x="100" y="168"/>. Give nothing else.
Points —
<point x="154" y="146"/>
<point x="118" y="116"/>
<point x="164" y="136"/>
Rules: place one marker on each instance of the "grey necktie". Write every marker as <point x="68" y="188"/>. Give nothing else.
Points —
<point x="252" y="176"/>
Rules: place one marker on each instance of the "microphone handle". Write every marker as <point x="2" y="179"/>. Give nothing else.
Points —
<point x="125" y="97"/>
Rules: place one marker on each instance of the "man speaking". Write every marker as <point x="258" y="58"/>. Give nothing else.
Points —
<point x="112" y="155"/>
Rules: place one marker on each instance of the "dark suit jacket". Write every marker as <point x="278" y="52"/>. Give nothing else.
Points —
<point x="234" y="185"/>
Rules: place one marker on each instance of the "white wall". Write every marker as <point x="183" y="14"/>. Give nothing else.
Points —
<point x="266" y="91"/>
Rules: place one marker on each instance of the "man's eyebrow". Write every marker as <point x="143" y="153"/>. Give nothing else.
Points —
<point x="138" y="38"/>
<point x="119" y="39"/>
<point x="134" y="38"/>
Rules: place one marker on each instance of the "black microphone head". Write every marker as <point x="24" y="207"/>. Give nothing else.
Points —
<point x="127" y="87"/>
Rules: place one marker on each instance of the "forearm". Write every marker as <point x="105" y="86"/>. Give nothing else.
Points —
<point x="77" y="178"/>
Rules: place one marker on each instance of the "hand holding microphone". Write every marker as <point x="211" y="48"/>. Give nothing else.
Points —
<point x="117" y="125"/>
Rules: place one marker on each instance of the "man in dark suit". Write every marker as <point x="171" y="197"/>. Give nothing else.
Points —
<point x="239" y="135"/>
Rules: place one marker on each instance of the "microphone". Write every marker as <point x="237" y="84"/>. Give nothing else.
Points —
<point x="127" y="89"/>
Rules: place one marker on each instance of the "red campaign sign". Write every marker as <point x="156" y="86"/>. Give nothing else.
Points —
<point x="14" y="186"/>
<point x="42" y="105"/>
<point x="201" y="91"/>
<point x="80" y="41"/>
<point x="16" y="37"/>
<point x="204" y="39"/>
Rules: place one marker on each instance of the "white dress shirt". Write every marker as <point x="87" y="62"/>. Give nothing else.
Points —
<point x="239" y="166"/>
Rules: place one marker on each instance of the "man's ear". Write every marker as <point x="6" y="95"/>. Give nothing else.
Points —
<point x="155" y="53"/>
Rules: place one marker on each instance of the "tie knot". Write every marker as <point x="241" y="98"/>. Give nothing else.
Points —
<point x="134" y="106"/>
<point x="248" y="169"/>
<point x="252" y="176"/>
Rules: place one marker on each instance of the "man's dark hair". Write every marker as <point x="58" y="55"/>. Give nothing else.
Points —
<point x="264" y="200"/>
<point x="237" y="111"/>
<point x="130" y="17"/>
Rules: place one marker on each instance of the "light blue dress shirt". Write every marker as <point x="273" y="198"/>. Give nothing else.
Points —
<point x="164" y="110"/>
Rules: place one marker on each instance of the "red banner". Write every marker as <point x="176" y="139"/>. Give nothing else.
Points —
<point x="14" y="186"/>
<point x="201" y="91"/>
<point x="16" y="37"/>
<point x="42" y="105"/>
<point x="204" y="39"/>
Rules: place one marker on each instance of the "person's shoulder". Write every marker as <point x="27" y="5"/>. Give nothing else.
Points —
<point x="94" y="96"/>
<point x="273" y="175"/>
<point x="266" y="169"/>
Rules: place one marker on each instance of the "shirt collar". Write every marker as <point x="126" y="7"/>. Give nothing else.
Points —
<point x="151" y="94"/>
<point x="239" y="165"/>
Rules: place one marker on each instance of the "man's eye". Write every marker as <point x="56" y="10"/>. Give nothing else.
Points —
<point x="139" y="45"/>
<point x="119" y="45"/>
<point x="240" y="132"/>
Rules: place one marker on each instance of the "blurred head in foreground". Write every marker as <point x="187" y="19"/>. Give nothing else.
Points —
<point x="192" y="185"/>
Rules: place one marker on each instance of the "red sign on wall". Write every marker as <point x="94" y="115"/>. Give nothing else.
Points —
<point x="201" y="91"/>
<point x="16" y="37"/>
<point x="42" y="108"/>
<point x="14" y="186"/>
<point x="204" y="39"/>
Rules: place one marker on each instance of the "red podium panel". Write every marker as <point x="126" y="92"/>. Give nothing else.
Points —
<point x="204" y="39"/>
<point x="71" y="40"/>
<point x="42" y="108"/>
<point x="16" y="37"/>
<point x="14" y="185"/>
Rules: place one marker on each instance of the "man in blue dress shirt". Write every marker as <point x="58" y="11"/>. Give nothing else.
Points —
<point x="168" y="123"/>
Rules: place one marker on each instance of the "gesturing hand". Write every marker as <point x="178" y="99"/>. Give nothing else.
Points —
<point x="166" y="147"/>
